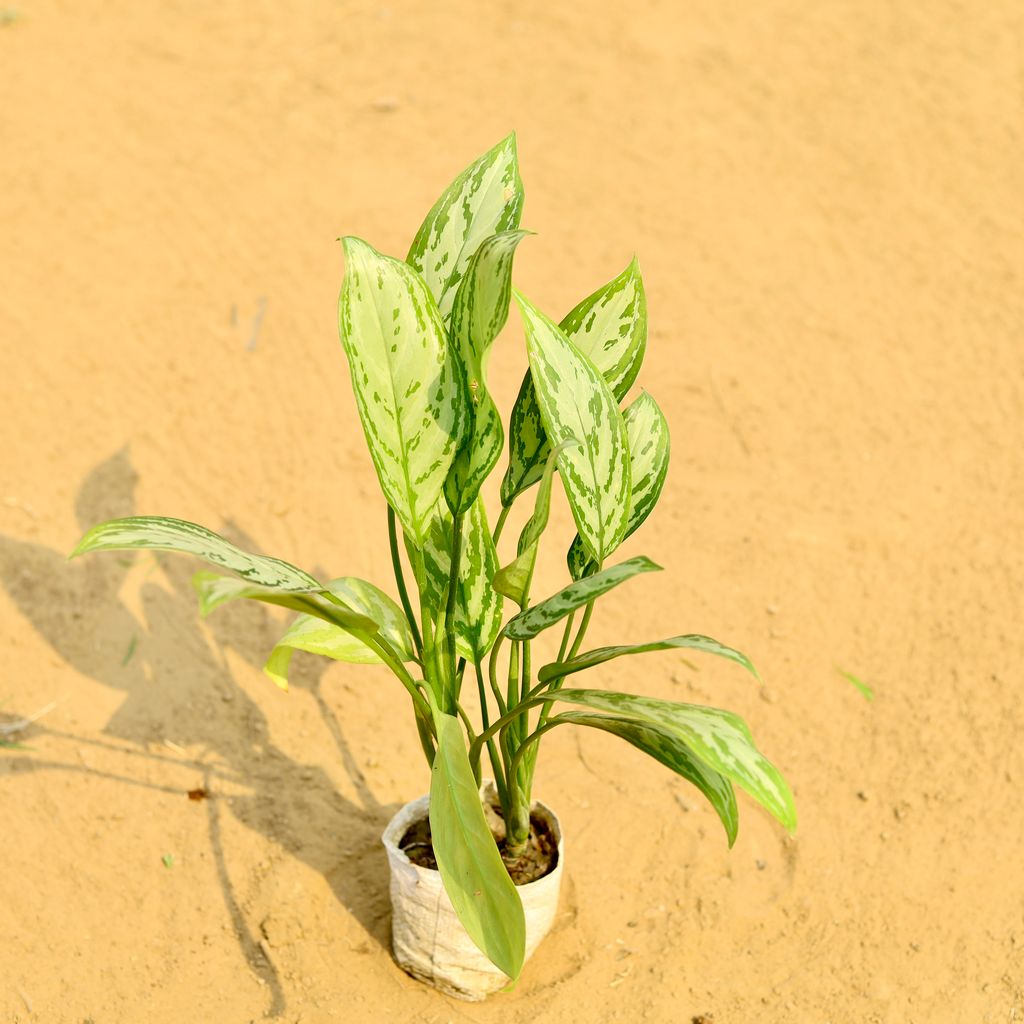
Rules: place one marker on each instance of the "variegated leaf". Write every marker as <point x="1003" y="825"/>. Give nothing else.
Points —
<point x="513" y="580"/>
<point x="480" y="312"/>
<point x="214" y="590"/>
<point x="409" y="389"/>
<point x="576" y="403"/>
<point x="647" y="436"/>
<point x="486" y="198"/>
<point x="160" y="533"/>
<point x="474" y="877"/>
<point x="478" y="607"/>
<point x="610" y="328"/>
<point x="311" y="634"/>
<point x="665" y="747"/>
<point x="689" y="642"/>
<point x="527" y="624"/>
<point x="718" y="738"/>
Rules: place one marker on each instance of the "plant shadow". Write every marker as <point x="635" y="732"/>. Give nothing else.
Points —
<point x="175" y="682"/>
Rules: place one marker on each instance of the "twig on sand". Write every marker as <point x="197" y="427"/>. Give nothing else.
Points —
<point x="20" y="724"/>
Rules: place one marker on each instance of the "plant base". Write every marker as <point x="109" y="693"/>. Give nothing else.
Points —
<point x="427" y="939"/>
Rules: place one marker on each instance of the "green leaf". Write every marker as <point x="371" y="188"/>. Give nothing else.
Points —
<point x="474" y="876"/>
<point x="865" y="691"/>
<point x="648" y="440"/>
<point x="576" y="403"/>
<point x="691" y="641"/>
<point x="527" y="624"/>
<point x="665" y="747"/>
<point x="480" y="312"/>
<point x="162" y="534"/>
<point x="215" y="590"/>
<point x="718" y="738"/>
<point x="409" y="389"/>
<point x="610" y="328"/>
<point x="312" y="634"/>
<point x="486" y="198"/>
<point x="478" y="607"/>
<point x="513" y="580"/>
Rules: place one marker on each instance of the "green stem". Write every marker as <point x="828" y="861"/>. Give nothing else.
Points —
<point x="565" y="636"/>
<point x="506" y="720"/>
<point x="500" y="524"/>
<point x="492" y="751"/>
<point x="453" y="587"/>
<point x="574" y="650"/>
<point x="492" y="673"/>
<point x="531" y="739"/>
<point x="396" y="561"/>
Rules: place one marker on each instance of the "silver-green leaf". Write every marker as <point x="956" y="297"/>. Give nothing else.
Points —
<point x="160" y="533"/>
<point x="648" y="439"/>
<point x="478" y="607"/>
<point x="610" y="328"/>
<point x="513" y="580"/>
<point x="471" y="868"/>
<point x="480" y="312"/>
<point x="312" y="634"/>
<point x="667" y="748"/>
<point x="527" y="624"/>
<point x="409" y="390"/>
<point x="691" y="642"/>
<point x="576" y="403"/>
<point x="720" y="739"/>
<point x="486" y="198"/>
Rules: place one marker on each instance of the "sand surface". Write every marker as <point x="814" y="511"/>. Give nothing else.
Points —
<point x="828" y="205"/>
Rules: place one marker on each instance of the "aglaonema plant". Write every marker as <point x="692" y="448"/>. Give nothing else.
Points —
<point x="417" y="334"/>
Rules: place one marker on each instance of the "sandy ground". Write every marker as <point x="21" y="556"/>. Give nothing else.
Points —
<point x="827" y="201"/>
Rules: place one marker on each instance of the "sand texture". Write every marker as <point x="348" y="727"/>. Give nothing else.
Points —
<point x="827" y="201"/>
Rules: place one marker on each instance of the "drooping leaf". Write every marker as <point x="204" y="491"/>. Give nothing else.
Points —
<point x="479" y="313"/>
<point x="667" y="748"/>
<point x="576" y="403"/>
<point x="474" y="876"/>
<point x="691" y="641"/>
<point x="720" y="739"/>
<point x="486" y="198"/>
<point x="409" y="390"/>
<point x="478" y="607"/>
<point x="648" y="440"/>
<point x="527" y="624"/>
<point x="610" y="328"/>
<point x="308" y="633"/>
<point x="215" y="590"/>
<point x="159" y="533"/>
<point x="513" y="580"/>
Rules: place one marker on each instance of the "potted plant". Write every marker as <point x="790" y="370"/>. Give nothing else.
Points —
<point x="417" y="334"/>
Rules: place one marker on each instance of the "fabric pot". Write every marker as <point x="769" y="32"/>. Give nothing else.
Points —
<point x="427" y="939"/>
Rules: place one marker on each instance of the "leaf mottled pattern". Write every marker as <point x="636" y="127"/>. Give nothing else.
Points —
<point x="408" y="384"/>
<point x="486" y="198"/>
<point x="577" y="404"/>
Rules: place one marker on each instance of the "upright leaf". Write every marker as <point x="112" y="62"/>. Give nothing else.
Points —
<point x="409" y="391"/>
<point x="718" y="738"/>
<point x="610" y="328"/>
<point x="576" y="402"/>
<point x="478" y="607"/>
<point x="474" y="876"/>
<point x="691" y="642"/>
<point x="159" y="533"/>
<point x="647" y="436"/>
<point x="486" y="198"/>
<point x="527" y="624"/>
<point x="513" y="580"/>
<point x="480" y="312"/>
<point x="665" y="747"/>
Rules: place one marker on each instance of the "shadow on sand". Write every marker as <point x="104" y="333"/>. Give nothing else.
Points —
<point x="175" y="681"/>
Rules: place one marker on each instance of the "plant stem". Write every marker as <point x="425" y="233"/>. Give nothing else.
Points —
<point x="574" y="650"/>
<point x="565" y="636"/>
<point x="396" y="561"/>
<point x="492" y="750"/>
<point x="503" y="723"/>
<point x="500" y="524"/>
<point x="453" y="586"/>
<point x="532" y="739"/>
